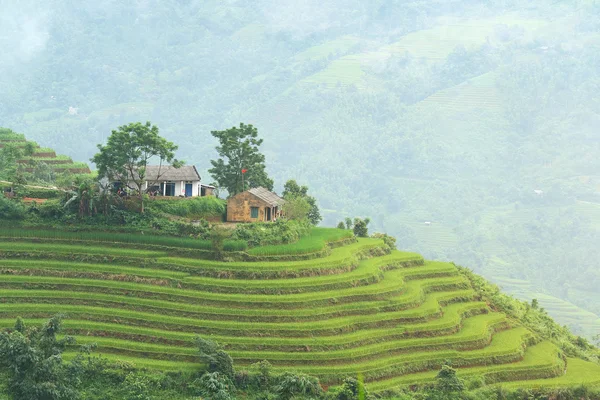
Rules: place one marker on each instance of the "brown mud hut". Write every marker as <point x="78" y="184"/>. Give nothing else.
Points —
<point x="254" y="205"/>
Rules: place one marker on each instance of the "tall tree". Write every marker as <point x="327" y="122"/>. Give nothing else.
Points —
<point x="33" y="359"/>
<point x="242" y="165"/>
<point x="291" y="189"/>
<point x="128" y="151"/>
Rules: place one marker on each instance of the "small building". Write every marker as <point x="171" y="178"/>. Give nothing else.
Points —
<point x="254" y="205"/>
<point x="169" y="181"/>
<point x="207" y="190"/>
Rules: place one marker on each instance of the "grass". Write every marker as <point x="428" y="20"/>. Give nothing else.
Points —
<point x="112" y="237"/>
<point x="314" y="242"/>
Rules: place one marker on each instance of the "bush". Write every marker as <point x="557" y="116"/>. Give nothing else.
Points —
<point x="51" y="209"/>
<point x="215" y="358"/>
<point x="341" y="225"/>
<point x="292" y="385"/>
<point x="390" y="241"/>
<point x="279" y="232"/>
<point x="11" y="209"/>
<point x="214" y="386"/>
<point x="40" y="193"/>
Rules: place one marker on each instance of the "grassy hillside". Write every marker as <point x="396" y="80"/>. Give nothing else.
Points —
<point x="359" y="308"/>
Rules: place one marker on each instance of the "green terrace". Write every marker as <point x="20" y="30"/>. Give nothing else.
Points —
<point x="328" y="305"/>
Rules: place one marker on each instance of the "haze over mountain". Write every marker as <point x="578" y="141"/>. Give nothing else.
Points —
<point x="468" y="129"/>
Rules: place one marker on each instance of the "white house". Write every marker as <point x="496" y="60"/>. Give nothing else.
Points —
<point x="170" y="181"/>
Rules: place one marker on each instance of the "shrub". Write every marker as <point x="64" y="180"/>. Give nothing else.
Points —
<point x="10" y="209"/>
<point x="215" y="358"/>
<point x="279" y="232"/>
<point x="51" y="209"/>
<point x="390" y="241"/>
<point x="351" y="389"/>
<point x="341" y="225"/>
<point x="214" y="386"/>
<point x="291" y="385"/>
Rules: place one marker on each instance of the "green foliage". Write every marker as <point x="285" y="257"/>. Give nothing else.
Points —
<point x="341" y="225"/>
<point x="129" y="151"/>
<point x="447" y="382"/>
<point x="390" y="241"/>
<point x="138" y="387"/>
<point x="215" y="386"/>
<point x="292" y="192"/>
<point x="349" y="223"/>
<point x="292" y="385"/>
<point x="360" y="227"/>
<point x="264" y="234"/>
<point x="218" y="234"/>
<point x="33" y="360"/>
<point x="351" y="389"/>
<point x="215" y="358"/>
<point x="239" y="150"/>
<point x="295" y="208"/>
<point x="11" y="209"/>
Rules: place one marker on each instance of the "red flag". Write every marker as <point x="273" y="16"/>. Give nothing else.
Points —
<point x="244" y="171"/>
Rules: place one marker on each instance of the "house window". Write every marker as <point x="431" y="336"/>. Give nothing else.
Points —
<point x="253" y="212"/>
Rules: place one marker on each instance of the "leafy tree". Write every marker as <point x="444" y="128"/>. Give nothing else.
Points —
<point x="33" y="359"/>
<point x="84" y="195"/>
<point x="348" y="223"/>
<point x="293" y="385"/>
<point x="360" y="227"/>
<point x="341" y="225"/>
<point x="128" y="152"/>
<point x="296" y="208"/>
<point x="238" y="149"/>
<point x="291" y="189"/>
<point x="216" y="359"/>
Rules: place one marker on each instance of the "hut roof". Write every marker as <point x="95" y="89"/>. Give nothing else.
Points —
<point x="267" y="196"/>
<point x="170" y="173"/>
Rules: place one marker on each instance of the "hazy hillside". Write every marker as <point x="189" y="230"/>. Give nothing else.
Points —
<point x="449" y="112"/>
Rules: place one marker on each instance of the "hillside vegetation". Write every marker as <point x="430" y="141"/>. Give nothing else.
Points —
<point x="359" y="307"/>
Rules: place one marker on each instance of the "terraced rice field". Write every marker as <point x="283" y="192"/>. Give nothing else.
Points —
<point x="59" y="163"/>
<point x="391" y="316"/>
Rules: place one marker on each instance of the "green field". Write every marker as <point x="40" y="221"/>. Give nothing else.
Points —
<point x="360" y="308"/>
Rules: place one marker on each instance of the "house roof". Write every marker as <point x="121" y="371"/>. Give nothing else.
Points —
<point x="267" y="196"/>
<point x="169" y="173"/>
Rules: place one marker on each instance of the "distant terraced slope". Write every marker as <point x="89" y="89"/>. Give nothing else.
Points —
<point x="359" y="308"/>
<point x="58" y="163"/>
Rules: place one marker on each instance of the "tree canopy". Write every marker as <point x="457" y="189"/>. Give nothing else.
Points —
<point x="292" y="191"/>
<point x="242" y="165"/>
<point x="33" y="359"/>
<point x="129" y="150"/>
